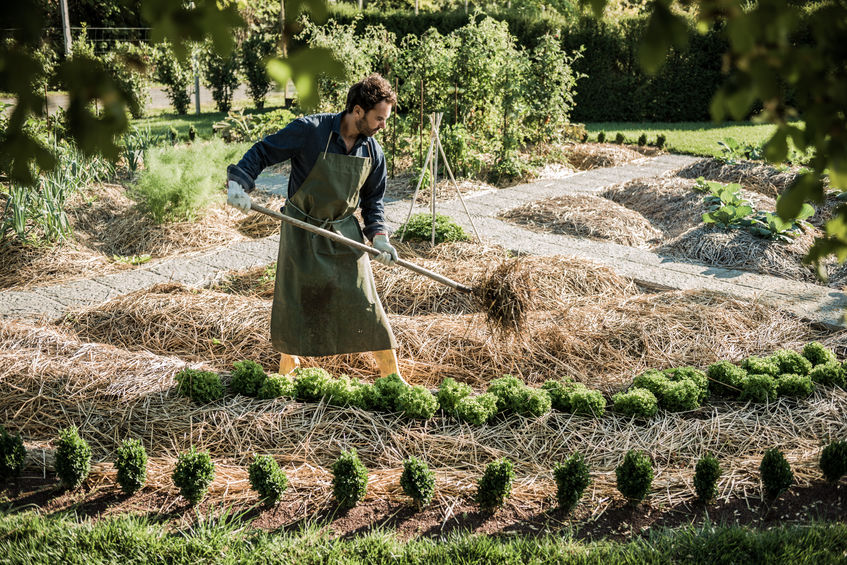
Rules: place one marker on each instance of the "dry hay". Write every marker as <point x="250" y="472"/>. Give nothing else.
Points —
<point x="402" y="187"/>
<point x="586" y="215"/>
<point x="506" y="296"/>
<point x="739" y="249"/>
<point x="586" y="156"/>
<point x="256" y="225"/>
<point x="602" y="342"/>
<point x="25" y="266"/>
<point x="753" y="175"/>
<point x="49" y="379"/>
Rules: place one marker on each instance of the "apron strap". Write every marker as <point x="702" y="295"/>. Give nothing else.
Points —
<point x="324" y="222"/>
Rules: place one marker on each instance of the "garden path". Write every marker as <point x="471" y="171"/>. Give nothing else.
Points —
<point x="809" y="301"/>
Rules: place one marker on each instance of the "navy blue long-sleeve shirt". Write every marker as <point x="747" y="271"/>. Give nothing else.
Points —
<point x="302" y="141"/>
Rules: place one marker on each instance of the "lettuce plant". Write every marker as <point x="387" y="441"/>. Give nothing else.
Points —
<point x="417" y="402"/>
<point x="636" y="402"/>
<point x="277" y="385"/>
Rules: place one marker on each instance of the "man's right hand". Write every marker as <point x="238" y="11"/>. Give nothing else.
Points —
<point x="236" y="197"/>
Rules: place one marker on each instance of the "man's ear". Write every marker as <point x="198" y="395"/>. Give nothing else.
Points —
<point x="358" y="111"/>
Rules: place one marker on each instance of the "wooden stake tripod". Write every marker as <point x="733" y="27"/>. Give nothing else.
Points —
<point x="431" y="161"/>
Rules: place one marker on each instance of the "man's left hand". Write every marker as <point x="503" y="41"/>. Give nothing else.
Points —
<point x="388" y="255"/>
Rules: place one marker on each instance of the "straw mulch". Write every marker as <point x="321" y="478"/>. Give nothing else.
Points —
<point x="602" y="342"/>
<point x="586" y="215"/>
<point x="739" y="249"/>
<point x="50" y="379"/>
<point x="586" y="156"/>
<point x="403" y="187"/>
<point x="753" y="175"/>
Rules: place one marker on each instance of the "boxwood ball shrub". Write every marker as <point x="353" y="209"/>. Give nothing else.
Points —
<point x="706" y="475"/>
<point x="833" y="461"/>
<point x="791" y="362"/>
<point x="349" y="479"/>
<point x="12" y="455"/>
<point x="634" y="476"/>
<point x="572" y="478"/>
<point x="417" y="402"/>
<point x="266" y="478"/>
<point x="495" y="485"/>
<point x="725" y="378"/>
<point x="817" y="354"/>
<point x="660" y="140"/>
<point x="637" y="402"/>
<point x="642" y="139"/>
<point x="828" y="374"/>
<point x="758" y="388"/>
<point x="451" y="392"/>
<point x="418" y="481"/>
<point x="200" y="386"/>
<point x="760" y="366"/>
<point x="386" y="390"/>
<point x="73" y="457"/>
<point x="131" y="464"/>
<point x="193" y="473"/>
<point x="477" y="410"/>
<point x="776" y="473"/>
<point x="310" y="383"/>
<point x="796" y="386"/>
<point x="247" y="377"/>
<point x="276" y="386"/>
<point x="620" y="139"/>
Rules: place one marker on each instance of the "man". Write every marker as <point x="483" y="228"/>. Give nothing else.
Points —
<point x="325" y="300"/>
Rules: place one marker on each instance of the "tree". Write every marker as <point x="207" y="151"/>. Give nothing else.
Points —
<point x="792" y="80"/>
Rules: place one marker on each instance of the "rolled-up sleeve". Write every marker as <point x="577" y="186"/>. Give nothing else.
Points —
<point x="273" y="149"/>
<point x="371" y="197"/>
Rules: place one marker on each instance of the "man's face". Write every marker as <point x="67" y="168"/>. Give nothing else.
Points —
<point x="370" y="122"/>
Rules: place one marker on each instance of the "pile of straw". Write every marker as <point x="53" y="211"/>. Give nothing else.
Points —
<point x="586" y="215"/>
<point x="585" y="156"/>
<point x="49" y="379"/>
<point x="602" y="342"/>
<point x="754" y="175"/>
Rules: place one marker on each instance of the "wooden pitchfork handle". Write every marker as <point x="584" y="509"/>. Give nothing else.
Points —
<point x="338" y="238"/>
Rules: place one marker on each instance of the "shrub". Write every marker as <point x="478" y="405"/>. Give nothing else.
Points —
<point x="477" y="410"/>
<point x="219" y="75"/>
<point x="776" y="473"/>
<point x="660" y="140"/>
<point x="73" y="457"/>
<point x="760" y="366"/>
<point x="794" y="385"/>
<point x="620" y="139"/>
<point x="601" y="137"/>
<point x="588" y="402"/>
<point x="791" y="362"/>
<point x="817" y="354"/>
<point x="572" y="478"/>
<point x="277" y="385"/>
<point x="828" y="374"/>
<point x="637" y="402"/>
<point x="199" y="386"/>
<point x="310" y="384"/>
<point x="495" y="485"/>
<point x="386" y="392"/>
<point x="451" y="392"/>
<point x="642" y="139"/>
<point x="266" y="478"/>
<point x="255" y="48"/>
<point x="174" y="76"/>
<point x="247" y="377"/>
<point x="706" y="475"/>
<point x="634" y="476"/>
<point x="12" y="455"/>
<point x="344" y="391"/>
<point x="131" y="464"/>
<point x="418" y="481"/>
<point x="417" y="402"/>
<point x="725" y="378"/>
<point x="349" y="479"/>
<point x="193" y="473"/>
<point x="419" y="227"/>
<point x="758" y="388"/>
<point x="834" y="461"/>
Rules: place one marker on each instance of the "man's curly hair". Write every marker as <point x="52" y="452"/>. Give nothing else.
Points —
<point x="369" y="92"/>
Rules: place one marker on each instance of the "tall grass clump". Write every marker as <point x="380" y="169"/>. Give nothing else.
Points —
<point x="73" y="457"/>
<point x="177" y="183"/>
<point x="131" y="463"/>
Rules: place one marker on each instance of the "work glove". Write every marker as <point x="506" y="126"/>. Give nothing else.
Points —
<point x="388" y="255"/>
<point x="236" y="197"/>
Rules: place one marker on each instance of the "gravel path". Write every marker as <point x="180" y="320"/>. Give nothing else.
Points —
<point x="812" y="302"/>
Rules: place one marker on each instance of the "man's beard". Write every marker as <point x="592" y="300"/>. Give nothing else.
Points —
<point x="362" y="127"/>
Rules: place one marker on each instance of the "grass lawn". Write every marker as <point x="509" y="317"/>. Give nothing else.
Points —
<point x="31" y="538"/>
<point x="695" y="138"/>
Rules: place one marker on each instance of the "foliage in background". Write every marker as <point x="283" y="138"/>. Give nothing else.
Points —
<point x="175" y="75"/>
<point x="253" y="52"/>
<point x="220" y="75"/>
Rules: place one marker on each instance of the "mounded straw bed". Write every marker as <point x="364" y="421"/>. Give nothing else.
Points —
<point x="585" y="156"/>
<point x="753" y="175"/>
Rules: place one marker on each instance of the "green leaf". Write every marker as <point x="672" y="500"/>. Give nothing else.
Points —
<point x="776" y="148"/>
<point x="806" y="187"/>
<point x="664" y="29"/>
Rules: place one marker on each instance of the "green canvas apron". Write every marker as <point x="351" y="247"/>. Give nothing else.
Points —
<point x="325" y="300"/>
